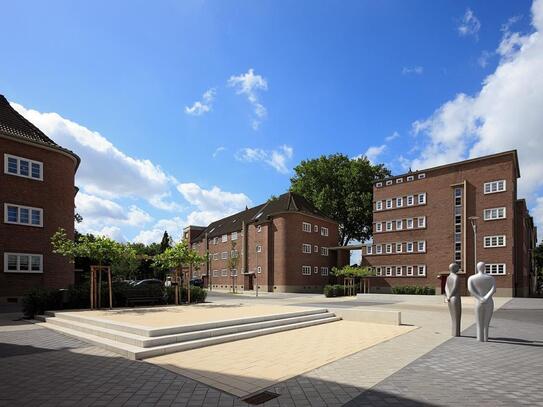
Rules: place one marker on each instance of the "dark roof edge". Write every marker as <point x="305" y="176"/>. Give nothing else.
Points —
<point x="469" y="160"/>
<point x="46" y="146"/>
<point x="315" y="215"/>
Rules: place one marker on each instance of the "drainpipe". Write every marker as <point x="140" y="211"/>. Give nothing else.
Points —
<point x="245" y="255"/>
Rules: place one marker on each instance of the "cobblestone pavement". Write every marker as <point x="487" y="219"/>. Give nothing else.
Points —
<point x="39" y="367"/>
<point x="506" y="371"/>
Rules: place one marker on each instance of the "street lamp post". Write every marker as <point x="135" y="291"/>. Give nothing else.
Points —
<point x="473" y="221"/>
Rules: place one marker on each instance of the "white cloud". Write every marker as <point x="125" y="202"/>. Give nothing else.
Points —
<point x="416" y="70"/>
<point x="248" y="84"/>
<point x="470" y="25"/>
<point x="218" y="150"/>
<point x="392" y="137"/>
<point x="505" y="114"/>
<point x="105" y="170"/>
<point x="277" y="158"/>
<point x="483" y="58"/>
<point x="198" y="108"/>
<point x="374" y="152"/>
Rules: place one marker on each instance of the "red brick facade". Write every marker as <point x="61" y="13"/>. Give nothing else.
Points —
<point x="443" y="198"/>
<point x="55" y="196"/>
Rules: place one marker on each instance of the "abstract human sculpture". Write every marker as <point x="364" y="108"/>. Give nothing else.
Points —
<point x="452" y="296"/>
<point x="482" y="286"/>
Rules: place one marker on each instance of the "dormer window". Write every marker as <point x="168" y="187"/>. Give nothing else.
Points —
<point x="379" y="185"/>
<point x="421" y="175"/>
<point x="389" y="182"/>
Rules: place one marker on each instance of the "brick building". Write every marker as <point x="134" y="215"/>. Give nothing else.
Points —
<point x="421" y="223"/>
<point x="281" y="245"/>
<point x="37" y="196"/>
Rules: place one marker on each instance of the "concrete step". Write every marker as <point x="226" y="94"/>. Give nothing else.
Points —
<point x="137" y="352"/>
<point x="170" y="330"/>
<point x="148" y="342"/>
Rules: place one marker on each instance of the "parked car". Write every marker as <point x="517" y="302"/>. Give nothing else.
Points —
<point x="145" y="291"/>
<point x="197" y="282"/>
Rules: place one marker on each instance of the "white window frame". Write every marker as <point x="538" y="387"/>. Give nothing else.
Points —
<point x="259" y="248"/>
<point x="388" y="271"/>
<point x="378" y="249"/>
<point x="324" y="271"/>
<point x="324" y="231"/>
<point x="378" y="227"/>
<point x="421" y="225"/>
<point x="234" y="236"/>
<point x="378" y="271"/>
<point x="399" y="180"/>
<point x="259" y="269"/>
<point x="324" y="251"/>
<point x="399" y="247"/>
<point x="494" y="241"/>
<point x="410" y="200"/>
<point x="233" y="272"/>
<point x="378" y="205"/>
<point x="399" y="224"/>
<point x="399" y="202"/>
<point x="388" y="248"/>
<point x="316" y="228"/>
<point x="224" y="256"/>
<point x="19" y="255"/>
<point x="409" y="247"/>
<point x="493" y="187"/>
<point x="388" y="225"/>
<point x="494" y="269"/>
<point x="369" y="249"/>
<point x="216" y="273"/>
<point x="388" y="204"/>
<point x="18" y="222"/>
<point x="421" y="246"/>
<point x="409" y="270"/>
<point x="423" y="200"/>
<point x="215" y="256"/>
<point x="306" y="248"/>
<point x="315" y="249"/>
<point x="398" y="271"/>
<point x="389" y="182"/>
<point x="410" y="178"/>
<point x="259" y="228"/>
<point x="306" y="227"/>
<point x="379" y="185"/>
<point x="316" y="269"/>
<point x="224" y="238"/>
<point x="423" y="273"/>
<point x="224" y="273"/>
<point x="488" y="213"/>
<point x="421" y="175"/>
<point x="306" y="270"/>
<point x="18" y="174"/>
<point x="408" y="221"/>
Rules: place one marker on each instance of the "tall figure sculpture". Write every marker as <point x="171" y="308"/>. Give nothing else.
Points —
<point x="452" y="295"/>
<point x="482" y="286"/>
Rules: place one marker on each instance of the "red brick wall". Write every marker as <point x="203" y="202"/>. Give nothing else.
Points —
<point x="55" y="195"/>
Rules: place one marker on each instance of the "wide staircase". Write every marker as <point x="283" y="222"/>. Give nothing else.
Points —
<point x="137" y="342"/>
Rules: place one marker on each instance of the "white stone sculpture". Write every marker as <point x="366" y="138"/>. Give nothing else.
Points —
<point x="452" y="296"/>
<point x="482" y="286"/>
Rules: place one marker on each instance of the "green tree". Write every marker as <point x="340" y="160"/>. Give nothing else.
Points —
<point x="342" y="189"/>
<point x="165" y="242"/>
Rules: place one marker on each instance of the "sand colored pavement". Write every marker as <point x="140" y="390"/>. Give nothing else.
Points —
<point x="249" y="365"/>
<point x="179" y="316"/>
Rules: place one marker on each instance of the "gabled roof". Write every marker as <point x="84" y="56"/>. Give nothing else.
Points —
<point x="288" y="202"/>
<point x="14" y="125"/>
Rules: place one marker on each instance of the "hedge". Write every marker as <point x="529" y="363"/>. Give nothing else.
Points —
<point x="413" y="290"/>
<point x="336" y="290"/>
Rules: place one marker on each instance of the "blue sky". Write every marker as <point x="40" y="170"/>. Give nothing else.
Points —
<point x="184" y="111"/>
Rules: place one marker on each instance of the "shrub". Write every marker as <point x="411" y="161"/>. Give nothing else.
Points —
<point x="197" y="294"/>
<point x="38" y="300"/>
<point x="413" y="290"/>
<point x="336" y="290"/>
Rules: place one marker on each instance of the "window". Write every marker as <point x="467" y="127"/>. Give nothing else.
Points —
<point x="399" y="224"/>
<point x="421" y="176"/>
<point x="399" y="202"/>
<point x="421" y="220"/>
<point x="234" y="236"/>
<point x="379" y="185"/>
<point x="388" y="247"/>
<point x="378" y="249"/>
<point x="306" y="227"/>
<point x="409" y="222"/>
<point x="410" y="200"/>
<point x="259" y="269"/>
<point x="494" y="186"/>
<point x="388" y="271"/>
<point x="224" y="255"/>
<point x="398" y="247"/>
<point x="306" y="270"/>
<point x="23" y="167"/>
<point x="316" y="228"/>
<point x="398" y="270"/>
<point x="224" y="238"/>
<point x="23" y="263"/>
<point x="324" y="231"/>
<point x="409" y="270"/>
<point x="422" y="198"/>
<point x="259" y="248"/>
<point x="378" y="271"/>
<point x="389" y="225"/>
<point x="233" y="272"/>
<point x="259" y="228"/>
<point x="496" y="268"/>
<point x="23" y="215"/>
<point x="421" y="246"/>
<point x="324" y="271"/>
<point x="389" y="203"/>
<point x="215" y="240"/>
<point x="494" y="213"/>
<point x="399" y="180"/>
<point x="410" y="178"/>
<point x="316" y="269"/>
<point x="306" y="248"/>
<point x="215" y="273"/>
<point x="409" y="247"/>
<point x="379" y="205"/>
<point x="215" y="256"/>
<point x="369" y="249"/>
<point x="324" y="251"/>
<point x="495" y="241"/>
<point x="378" y="227"/>
<point x="389" y="182"/>
<point x="421" y="270"/>
<point x="224" y="272"/>
<point x="234" y="254"/>
<point x="315" y="249"/>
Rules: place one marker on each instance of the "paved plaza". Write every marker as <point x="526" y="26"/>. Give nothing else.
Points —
<point x="422" y="367"/>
